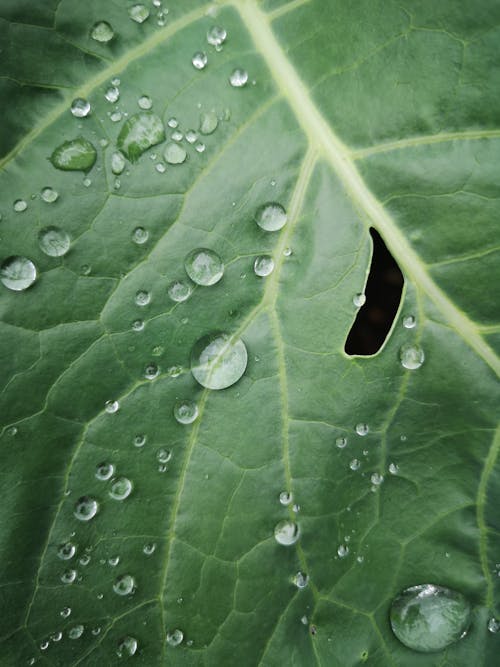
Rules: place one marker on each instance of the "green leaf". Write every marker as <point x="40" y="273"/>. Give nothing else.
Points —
<point x="349" y="116"/>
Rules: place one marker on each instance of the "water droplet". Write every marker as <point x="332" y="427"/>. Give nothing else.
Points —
<point x="377" y="479"/>
<point x="149" y="548"/>
<point x="163" y="455"/>
<point x="199" y="60"/>
<point x="113" y="561"/>
<point x="104" y="471"/>
<point x="175" y="637"/>
<point x="200" y="147"/>
<point x="76" y="631"/>
<point x="216" y="35"/>
<point x="362" y="429"/>
<point x="139" y="440"/>
<point x="142" y="298"/>
<point x="409" y="322"/>
<point x="112" y="94"/>
<point x="117" y="163"/>
<point x="218" y="360"/>
<point x="12" y="431"/>
<point x="44" y="645"/>
<point x="137" y="325"/>
<point x="179" y="291"/>
<point x="263" y="265"/>
<point x="127" y="647"/>
<point x="145" y="102"/>
<point x="393" y="468"/>
<point x="301" y="580"/>
<point x="208" y="122"/>
<point x="20" y="206"/>
<point x="75" y="155"/>
<point x="65" y="612"/>
<point x="86" y="508"/>
<point x="428" y="618"/>
<point x="17" y="273"/>
<point x="54" y="241"/>
<point x="138" y="13"/>
<point x="271" y="217"/>
<point x="139" y="133"/>
<point x="111" y="406"/>
<point x="160" y="168"/>
<point x="124" y="585"/>
<point x="80" y="108"/>
<point x="49" y="195"/>
<point x="411" y="356"/>
<point x="185" y="412"/>
<point x="173" y="122"/>
<point x="115" y="116"/>
<point x="174" y="154"/>
<point x="494" y="625"/>
<point x="238" y="78"/>
<point x="66" y="551"/>
<point x="102" y="32"/>
<point x="177" y="135"/>
<point x="151" y="371"/>
<point x="191" y="136"/>
<point x="69" y="576"/>
<point x="286" y="497"/>
<point x="174" y="371"/>
<point x="121" y="488"/>
<point x="84" y="560"/>
<point x="286" y="532"/>
<point x="359" y="300"/>
<point x="343" y="550"/>
<point x="341" y="442"/>
<point x="140" y="235"/>
<point x="354" y="464"/>
<point x="204" y="266"/>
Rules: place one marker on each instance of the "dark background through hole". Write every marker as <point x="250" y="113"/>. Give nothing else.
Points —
<point x="383" y="294"/>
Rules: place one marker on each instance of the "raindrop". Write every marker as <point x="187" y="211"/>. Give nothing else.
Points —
<point x="140" y="235"/>
<point x="301" y="580"/>
<point x="411" y="356"/>
<point x="54" y="241"/>
<point x="44" y="645"/>
<point x="138" y="13"/>
<point x="17" y="273"/>
<point x="287" y="252"/>
<point x="174" y="154"/>
<point x="216" y="35"/>
<point x="199" y="60"/>
<point x="286" y="532"/>
<point x="354" y="464"/>
<point x="185" y="412"/>
<point x="86" y="508"/>
<point x="428" y="618"/>
<point x="127" y="647"/>
<point x="139" y="440"/>
<point x="204" y="266"/>
<point x="191" y="136"/>
<point x="200" y="147"/>
<point x="76" y="631"/>
<point x="20" y="206"/>
<point x="409" y="322"/>
<point x="286" y="497"/>
<point x="343" y="550"/>
<point x="271" y="217"/>
<point x="362" y="429"/>
<point x="69" y="576"/>
<point x="104" y="471"/>
<point x="65" y="612"/>
<point x="112" y="94"/>
<point x="174" y="371"/>
<point x="140" y="132"/>
<point x="151" y="371"/>
<point x="173" y="122"/>
<point x="175" y="637"/>
<point x="137" y="325"/>
<point x="111" y="406"/>
<point x="113" y="561"/>
<point x="149" y="548"/>
<point x="75" y="155"/>
<point x="84" y="560"/>
<point x="124" y="585"/>
<point x="263" y="266"/>
<point x="66" y="551"/>
<point x="160" y="168"/>
<point x="393" y="468"/>
<point x="80" y="108"/>
<point x="102" y="32"/>
<point x="117" y="163"/>
<point x="377" y="479"/>
<point x="121" y="488"/>
<point x="177" y="135"/>
<point x="341" y="442"/>
<point x="494" y="625"/>
<point x="218" y="360"/>
<point x="208" y="122"/>
<point x="115" y="116"/>
<point x="142" y="298"/>
<point x="359" y="300"/>
<point x="238" y="78"/>
<point x="179" y="291"/>
<point x="145" y="102"/>
<point x="49" y="195"/>
<point x="163" y="455"/>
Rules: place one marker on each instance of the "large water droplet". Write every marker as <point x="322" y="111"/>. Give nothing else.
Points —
<point x="117" y="163"/>
<point x="76" y="631"/>
<point x="86" y="508"/>
<point x="199" y="60"/>
<point x="429" y="618"/>
<point x="66" y="551"/>
<point x="341" y="442"/>
<point x="263" y="266"/>
<point x="174" y="153"/>
<point x="271" y="217"/>
<point x="112" y="94"/>
<point x="286" y="532"/>
<point x="179" y="291"/>
<point x="69" y="576"/>
<point x="54" y="241"/>
<point x="208" y="122"/>
<point x="216" y="35"/>
<point x="49" y="195"/>
<point x="20" y="206"/>
<point x="362" y="429"/>
<point x="142" y="298"/>
<point x="238" y="78"/>
<point x="138" y="13"/>
<point x="204" y="266"/>
<point x="121" y="488"/>
<point x="175" y="637"/>
<point x="145" y="102"/>
<point x="139" y="133"/>
<point x="80" y="108"/>
<point x="127" y="647"/>
<point x="124" y="585"/>
<point x="104" y="471"/>
<point x="17" y="273"/>
<point x="140" y="235"/>
<point x="218" y="360"/>
<point x="185" y="412"/>
<point x="75" y="155"/>
<point x="286" y="497"/>
<point x="376" y="479"/>
<point x="411" y="356"/>
<point x="359" y="300"/>
<point x="102" y="32"/>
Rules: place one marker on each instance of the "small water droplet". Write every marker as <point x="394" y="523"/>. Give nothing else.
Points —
<point x="343" y="550"/>
<point x="177" y="135"/>
<point x="200" y="147"/>
<point x="102" y="32"/>
<point x="494" y="625"/>
<point x="54" y="241"/>
<point x="149" y="548"/>
<point x="163" y="455"/>
<point x="142" y="298"/>
<point x="121" y="488"/>
<point x="138" y="13"/>
<point x="140" y="235"/>
<point x="180" y="290"/>
<point x="145" y="102"/>
<point x="362" y="429"/>
<point x="44" y="645"/>
<point x="263" y="266"/>
<point x="208" y="122"/>
<point x="173" y="122"/>
<point x="111" y="407"/>
<point x="86" y="508"/>
<point x="20" y="206"/>
<point x="12" y="431"/>
<point x="84" y="560"/>
<point x="216" y="35"/>
<point x="75" y="155"/>
<point x="124" y="585"/>
<point x="409" y="322"/>
<point x="127" y="647"/>
<point x="341" y="442"/>
<point x="359" y="300"/>
<point x="104" y="471"/>
<point x="393" y="468"/>
<point x="113" y="561"/>
<point x="286" y="497"/>
<point x="160" y="167"/>
<point x="17" y="273"/>
<point x="271" y="217"/>
<point x="286" y="532"/>
<point x="137" y="325"/>
<point x="186" y="412"/>
<point x="76" y="631"/>
<point x="140" y="132"/>
<point x="174" y="371"/>
<point x="49" y="195"/>
<point x="139" y="440"/>
<point x="354" y="464"/>
<point x="204" y="266"/>
<point x="115" y="116"/>
<point x="428" y="618"/>
<point x="191" y="136"/>
<point x="301" y="580"/>
<point x="238" y="78"/>
<point x="377" y="479"/>
<point x="66" y="551"/>
<point x="199" y="60"/>
<point x="218" y="360"/>
<point x="65" y="612"/>
<point x="117" y="163"/>
<point x="69" y="576"/>
<point x="174" y="154"/>
<point x="411" y="357"/>
<point x="174" y="637"/>
<point x="80" y="108"/>
<point x="151" y="371"/>
<point x="112" y="94"/>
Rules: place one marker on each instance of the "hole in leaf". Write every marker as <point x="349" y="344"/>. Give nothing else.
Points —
<point x="383" y="295"/>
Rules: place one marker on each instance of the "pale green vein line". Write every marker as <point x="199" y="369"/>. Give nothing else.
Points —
<point x="285" y="9"/>
<point x="323" y="138"/>
<point x="481" y="499"/>
<point x="465" y="258"/>
<point x="424" y="140"/>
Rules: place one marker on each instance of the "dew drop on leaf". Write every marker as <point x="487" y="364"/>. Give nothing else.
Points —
<point x="341" y="442"/>
<point x="286" y="497"/>
<point x="409" y="322"/>
<point x="393" y="468"/>
<point x="301" y="580"/>
<point x="174" y="154"/>
<point x="80" y="108"/>
<point x="49" y="195"/>
<point x="137" y="325"/>
<point x="138" y="13"/>
<point x="113" y="561"/>
<point x="362" y="429"/>
<point x="115" y="116"/>
<point x="191" y="136"/>
<point x="286" y="533"/>
<point x="145" y="102"/>
<point x="343" y="551"/>
<point x="263" y="266"/>
<point x="173" y="123"/>
<point x="185" y="412"/>
<point x="117" y="163"/>
<point x="139" y="440"/>
<point x="112" y="94"/>
<point x="149" y="549"/>
<point x="174" y="637"/>
<point x="111" y="407"/>
<point x="140" y="235"/>
<point x="204" y="266"/>
<point x="216" y="35"/>
<point x="140" y="132"/>
<point x="179" y="291"/>
<point x="102" y="32"/>
<point x="69" y="576"/>
<point x="76" y="631"/>
<point x="376" y="479"/>
<point x="142" y="298"/>
<point x="54" y="241"/>
<point x="17" y="273"/>
<point x="238" y="78"/>
<point x="199" y="60"/>
<point x="429" y="618"/>
<point x="127" y="647"/>
<point x="271" y="217"/>
<point x="20" y="206"/>
<point x="104" y="471"/>
<point x="86" y="508"/>
<point x="163" y="455"/>
<point x="218" y="360"/>
<point x="65" y="612"/>
<point x="124" y="585"/>
<point x="74" y="155"/>
<point x="354" y="464"/>
<point x="66" y="551"/>
<point x="151" y="371"/>
<point x="359" y="300"/>
<point x="208" y="122"/>
<point x="494" y="625"/>
<point x="411" y="356"/>
<point x="121" y="488"/>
